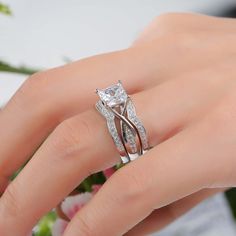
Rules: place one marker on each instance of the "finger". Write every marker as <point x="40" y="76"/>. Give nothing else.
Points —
<point x="165" y="215"/>
<point x="174" y="169"/>
<point x="89" y="152"/>
<point x="52" y="96"/>
<point x="178" y="23"/>
<point x="79" y="146"/>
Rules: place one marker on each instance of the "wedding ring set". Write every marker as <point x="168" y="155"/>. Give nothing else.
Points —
<point x="125" y="128"/>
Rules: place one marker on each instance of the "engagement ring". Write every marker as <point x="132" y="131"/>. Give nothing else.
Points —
<point x="124" y="126"/>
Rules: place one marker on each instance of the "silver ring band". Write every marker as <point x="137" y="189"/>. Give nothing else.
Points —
<point x="126" y="129"/>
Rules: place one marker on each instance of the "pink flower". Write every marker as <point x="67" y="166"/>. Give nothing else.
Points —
<point x="59" y="227"/>
<point x="109" y="172"/>
<point x="95" y="188"/>
<point x="70" y="206"/>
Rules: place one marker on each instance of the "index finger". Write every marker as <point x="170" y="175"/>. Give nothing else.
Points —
<point x="50" y="97"/>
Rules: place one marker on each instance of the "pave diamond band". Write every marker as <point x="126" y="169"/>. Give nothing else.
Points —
<point x="125" y="128"/>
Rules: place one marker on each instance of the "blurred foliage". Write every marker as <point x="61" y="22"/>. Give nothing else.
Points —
<point x="231" y="196"/>
<point x="6" y="67"/>
<point x="86" y="185"/>
<point x="4" y="9"/>
<point x="45" y="225"/>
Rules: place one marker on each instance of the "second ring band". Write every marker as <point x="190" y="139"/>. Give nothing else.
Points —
<point x="126" y="129"/>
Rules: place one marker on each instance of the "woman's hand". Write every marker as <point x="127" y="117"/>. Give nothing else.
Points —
<point x="181" y="74"/>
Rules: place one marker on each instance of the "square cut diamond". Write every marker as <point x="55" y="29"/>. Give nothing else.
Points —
<point x="113" y="95"/>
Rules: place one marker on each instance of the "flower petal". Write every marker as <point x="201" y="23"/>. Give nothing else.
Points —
<point x="59" y="227"/>
<point x="95" y="188"/>
<point x="109" y="172"/>
<point x="71" y="205"/>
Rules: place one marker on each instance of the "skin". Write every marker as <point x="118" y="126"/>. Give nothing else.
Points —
<point x="181" y="76"/>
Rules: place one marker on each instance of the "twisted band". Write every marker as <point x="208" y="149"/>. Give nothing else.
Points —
<point x="127" y="131"/>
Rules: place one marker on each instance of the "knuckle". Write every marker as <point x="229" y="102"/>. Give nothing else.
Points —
<point x="171" y="34"/>
<point x="34" y="83"/>
<point x="220" y="128"/>
<point x="9" y="205"/>
<point x="187" y="40"/>
<point x="182" y="41"/>
<point x="72" y="136"/>
<point x="167" y="17"/>
<point x="35" y="79"/>
<point x="172" y="18"/>
<point x="137" y="183"/>
<point x="32" y="90"/>
<point x="224" y="115"/>
<point x="177" y="43"/>
<point x="83" y="227"/>
<point x="176" y="28"/>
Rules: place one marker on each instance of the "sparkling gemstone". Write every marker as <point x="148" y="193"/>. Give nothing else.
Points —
<point x="113" y="95"/>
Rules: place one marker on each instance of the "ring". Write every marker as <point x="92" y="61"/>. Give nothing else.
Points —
<point x="127" y="131"/>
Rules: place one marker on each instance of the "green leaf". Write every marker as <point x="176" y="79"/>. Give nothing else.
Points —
<point x="45" y="225"/>
<point x="231" y="196"/>
<point x="5" y="67"/>
<point x="4" y="9"/>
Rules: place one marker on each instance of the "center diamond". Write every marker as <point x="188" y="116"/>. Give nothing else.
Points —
<point x="113" y="95"/>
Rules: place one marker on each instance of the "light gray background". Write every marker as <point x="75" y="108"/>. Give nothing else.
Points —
<point x="41" y="33"/>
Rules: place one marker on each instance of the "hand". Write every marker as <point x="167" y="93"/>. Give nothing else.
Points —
<point x="181" y="76"/>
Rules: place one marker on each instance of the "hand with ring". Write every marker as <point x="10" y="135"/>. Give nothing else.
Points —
<point x="180" y="76"/>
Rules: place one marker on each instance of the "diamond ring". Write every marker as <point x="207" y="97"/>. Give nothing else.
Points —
<point x="127" y="131"/>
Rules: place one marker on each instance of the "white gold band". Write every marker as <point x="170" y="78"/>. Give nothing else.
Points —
<point x="126" y="129"/>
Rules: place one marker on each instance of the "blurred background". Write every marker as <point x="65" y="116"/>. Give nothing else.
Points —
<point x="43" y="34"/>
<point x="36" y="35"/>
